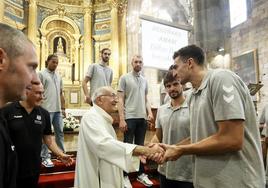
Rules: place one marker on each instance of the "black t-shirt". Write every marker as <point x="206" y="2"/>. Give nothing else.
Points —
<point x="26" y="132"/>
<point x="8" y="157"/>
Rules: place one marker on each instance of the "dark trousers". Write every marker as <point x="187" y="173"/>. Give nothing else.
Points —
<point x="166" y="183"/>
<point x="136" y="134"/>
<point x="31" y="181"/>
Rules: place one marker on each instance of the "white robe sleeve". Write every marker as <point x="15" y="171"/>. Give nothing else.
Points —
<point x="105" y="146"/>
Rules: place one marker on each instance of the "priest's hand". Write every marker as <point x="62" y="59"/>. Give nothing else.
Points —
<point x="156" y="152"/>
<point x="66" y="159"/>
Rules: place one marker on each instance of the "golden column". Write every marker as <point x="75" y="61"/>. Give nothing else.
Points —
<point x="87" y="38"/>
<point x="2" y="10"/>
<point x="32" y="22"/>
<point x="123" y="37"/>
<point x="114" y="41"/>
<point x="76" y="56"/>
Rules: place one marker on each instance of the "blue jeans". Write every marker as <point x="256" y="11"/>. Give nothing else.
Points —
<point x="136" y="134"/>
<point x="57" y="122"/>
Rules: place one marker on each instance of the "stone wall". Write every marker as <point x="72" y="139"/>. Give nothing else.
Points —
<point x="253" y="34"/>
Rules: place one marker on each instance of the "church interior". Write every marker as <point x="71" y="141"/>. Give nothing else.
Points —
<point x="233" y="34"/>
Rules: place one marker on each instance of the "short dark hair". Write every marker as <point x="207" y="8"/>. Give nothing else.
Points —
<point x="49" y="58"/>
<point x="169" y="77"/>
<point x="191" y="51"/>
<point x="12" y="41"/>
<point x="102" y="51"/>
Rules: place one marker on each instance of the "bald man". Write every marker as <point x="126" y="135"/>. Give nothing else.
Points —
<point x="18" y="61"/>
<point x="28" y="125"/>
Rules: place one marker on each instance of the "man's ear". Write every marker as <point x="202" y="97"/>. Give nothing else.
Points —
<point x="3" y="56"/>
<point x="190" y="62"/>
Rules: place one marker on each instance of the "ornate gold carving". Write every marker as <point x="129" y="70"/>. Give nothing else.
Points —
<point x="122" y="8"/>
<point x="12" y="9"/>
<point x="88" y="9"/>
<point x="102" y="26"/>
<point x="102" y="15"/>
<point x="60" y="25"/>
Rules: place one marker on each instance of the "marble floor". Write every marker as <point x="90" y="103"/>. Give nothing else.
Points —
<point x="70" y="139"/>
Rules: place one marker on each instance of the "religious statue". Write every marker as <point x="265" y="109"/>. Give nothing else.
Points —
<point x="60" y="46"/>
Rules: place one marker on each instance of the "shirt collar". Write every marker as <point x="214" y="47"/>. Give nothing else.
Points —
<point x="106" y="116"/>
<point x="103" y="63"/>
<point x="49" y="71"/>
<point x="203" y="83"/>
<point x="183" y="105"/>
<point x="137" y="74"/>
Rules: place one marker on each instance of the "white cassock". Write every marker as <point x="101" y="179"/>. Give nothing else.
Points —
<point x="101" y="158"/>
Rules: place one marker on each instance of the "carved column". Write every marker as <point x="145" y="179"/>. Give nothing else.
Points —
<point x="43" y="52"/>
<point x="32" y="22"/>
<point x="114" y="41"/>
<point x="2" y="11"/>
<point x="87" y="37"/>
<point x="123" y="37"/>
<point x="76" y="57"/>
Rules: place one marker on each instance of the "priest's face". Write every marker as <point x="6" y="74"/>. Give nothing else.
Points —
<point x="108" y="101"/>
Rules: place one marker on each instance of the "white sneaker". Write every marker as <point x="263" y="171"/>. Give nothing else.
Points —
<point x="127" y="183"/>
<point x="143" y="178"/>
<point x="48" y="163"/>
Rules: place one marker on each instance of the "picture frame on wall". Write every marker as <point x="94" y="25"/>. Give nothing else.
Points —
<point x="246" y="67"/>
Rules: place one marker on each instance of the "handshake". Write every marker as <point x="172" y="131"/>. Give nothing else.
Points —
<point x="159" y="152"/>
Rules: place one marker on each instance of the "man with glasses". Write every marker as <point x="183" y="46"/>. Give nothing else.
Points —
<point x="133" y="108"/>
<point x="99" y="74"/>
<point x="225" y="139"/>
<point x="101" y="158"/>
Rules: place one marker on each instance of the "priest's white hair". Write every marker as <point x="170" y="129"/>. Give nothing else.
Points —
<point x="100" y="91"/>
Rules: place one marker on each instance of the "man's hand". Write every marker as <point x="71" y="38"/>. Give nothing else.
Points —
<point x="123" y="125"/>
<point x="88" y="100"/>
<point x="155" y="152"/>
<point x="66" y="159"/>
<point x="150" y="118"/>
<point x="172" y="153"/>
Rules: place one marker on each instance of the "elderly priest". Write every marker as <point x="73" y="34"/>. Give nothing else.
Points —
<point x="101" y="158"/>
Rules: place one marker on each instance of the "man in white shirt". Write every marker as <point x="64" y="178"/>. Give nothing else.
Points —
<point x="101" y="158"/>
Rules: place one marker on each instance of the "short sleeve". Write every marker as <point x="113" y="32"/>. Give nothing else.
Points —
<point x="47" y="122"/>
<point x="90" y="71"/>
<point x="157" y="120"/>
<point x="228" y="96"/>
<point x="122" y="84"/>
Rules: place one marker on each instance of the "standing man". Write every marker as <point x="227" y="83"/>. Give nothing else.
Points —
<point x="101" y="158"/>
<point x="225" y="139"/>
<point x="172" y="127"/>
<point x="132" y="107"/>
<point x="98" y="74"/>
<point x="54" y="103"/>
<point x="18" y="61"/>
<point x="28" y="123"/>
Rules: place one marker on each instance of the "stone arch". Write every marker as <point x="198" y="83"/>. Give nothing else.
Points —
<point x="51" y="18"/>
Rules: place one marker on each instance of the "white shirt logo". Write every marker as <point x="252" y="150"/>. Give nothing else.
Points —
<point x="38" y="117"/>
<point x="228" y="90"/>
